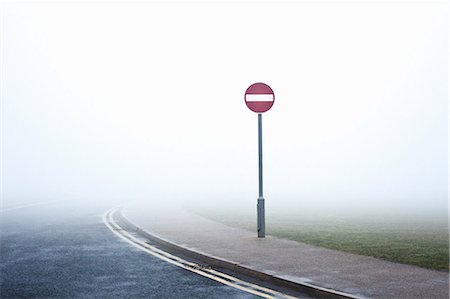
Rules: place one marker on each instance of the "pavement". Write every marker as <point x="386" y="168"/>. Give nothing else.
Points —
<point x="326" y="269"/>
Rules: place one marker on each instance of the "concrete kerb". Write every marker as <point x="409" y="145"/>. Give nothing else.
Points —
<point x="213" y="261"/>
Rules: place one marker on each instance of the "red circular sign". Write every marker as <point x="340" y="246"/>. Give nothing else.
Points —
<point x="259" y="97"/>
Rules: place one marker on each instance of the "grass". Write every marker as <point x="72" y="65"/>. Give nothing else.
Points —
<point x="424" y="243"/>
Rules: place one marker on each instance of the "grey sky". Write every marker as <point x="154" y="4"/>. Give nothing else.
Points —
<point x="145" y="100"/>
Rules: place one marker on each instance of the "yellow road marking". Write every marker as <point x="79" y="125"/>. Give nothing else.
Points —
<point x="193" y="267"/>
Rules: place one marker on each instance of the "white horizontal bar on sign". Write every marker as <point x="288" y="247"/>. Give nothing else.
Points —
<point x="266" y="97"/>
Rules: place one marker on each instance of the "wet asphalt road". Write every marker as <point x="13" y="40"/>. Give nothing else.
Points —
<point x="64" y="250"/>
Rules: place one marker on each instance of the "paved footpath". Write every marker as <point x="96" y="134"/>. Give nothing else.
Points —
<point x="350" y="273"/>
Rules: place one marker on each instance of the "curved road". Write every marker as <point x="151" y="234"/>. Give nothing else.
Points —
<point x="64" y="250"/>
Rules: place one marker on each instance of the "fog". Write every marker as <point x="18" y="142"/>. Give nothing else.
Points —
<point x="120" y="101"/>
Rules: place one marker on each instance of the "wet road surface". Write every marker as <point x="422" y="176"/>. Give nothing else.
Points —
<point x="64" y="250"/>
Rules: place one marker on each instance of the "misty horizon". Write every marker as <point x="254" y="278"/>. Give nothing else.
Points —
<point x="120" y="110"/>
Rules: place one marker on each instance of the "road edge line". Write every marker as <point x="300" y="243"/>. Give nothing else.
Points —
<point x="311" y="289"/>
<point x="222" y="278"/>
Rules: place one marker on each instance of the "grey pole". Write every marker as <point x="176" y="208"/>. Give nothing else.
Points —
<point x="261" y="222"/>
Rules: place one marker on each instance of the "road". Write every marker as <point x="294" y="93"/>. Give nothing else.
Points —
<point x="63" y="249"/>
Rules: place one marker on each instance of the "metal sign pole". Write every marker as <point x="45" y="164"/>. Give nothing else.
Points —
<point x="261" y="222"/>
<point x="259" y="98"/>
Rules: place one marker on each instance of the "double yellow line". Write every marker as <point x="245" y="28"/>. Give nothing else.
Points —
<point x="193" y="267"/>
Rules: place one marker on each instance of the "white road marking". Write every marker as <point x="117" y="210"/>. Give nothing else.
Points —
<point x="27" y="205"/>
<point x="193" y="267"/>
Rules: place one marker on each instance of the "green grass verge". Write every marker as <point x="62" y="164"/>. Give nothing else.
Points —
<point x="424" y="243"/>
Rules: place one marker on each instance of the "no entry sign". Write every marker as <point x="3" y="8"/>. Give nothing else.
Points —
<point x="259" y="97"/>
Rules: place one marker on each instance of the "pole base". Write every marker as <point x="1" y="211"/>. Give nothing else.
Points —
<point x="261" y="219"/>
